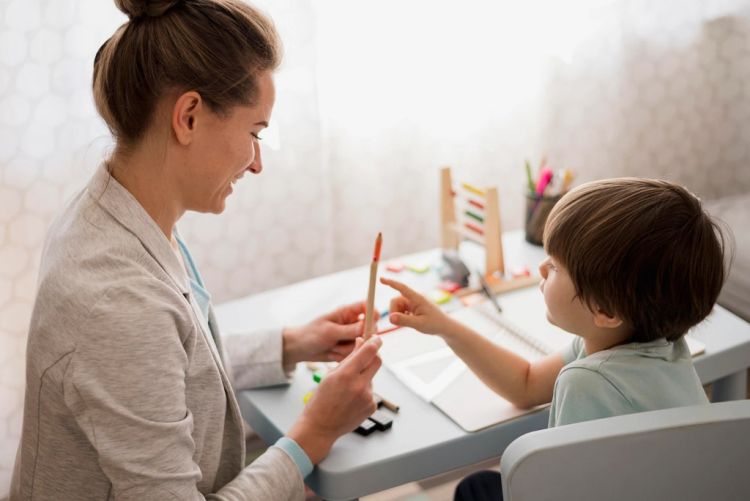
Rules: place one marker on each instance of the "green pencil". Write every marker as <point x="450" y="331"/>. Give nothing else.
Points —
<point x="529" y="178"/>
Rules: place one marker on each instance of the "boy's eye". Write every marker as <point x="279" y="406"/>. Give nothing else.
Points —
<point x="256" y="136"/>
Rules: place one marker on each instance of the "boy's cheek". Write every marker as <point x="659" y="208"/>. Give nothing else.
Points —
<point x="548" y="309"/>
<point x="549" y="318"/>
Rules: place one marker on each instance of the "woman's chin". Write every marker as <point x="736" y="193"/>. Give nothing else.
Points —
<point x="218" y="206"/>
<point x="213" y="207"/>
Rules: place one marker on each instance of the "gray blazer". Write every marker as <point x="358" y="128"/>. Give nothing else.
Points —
<point x="127" y="395"/>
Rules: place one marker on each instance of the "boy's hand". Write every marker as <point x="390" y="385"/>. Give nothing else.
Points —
<point x="412" y="309"/>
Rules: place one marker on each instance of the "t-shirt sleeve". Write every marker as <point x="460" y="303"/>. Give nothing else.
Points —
<point x="582" y="394"/>
<point x="571" y="352"/>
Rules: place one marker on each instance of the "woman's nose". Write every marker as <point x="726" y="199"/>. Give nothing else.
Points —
<point x="257" y="166"/>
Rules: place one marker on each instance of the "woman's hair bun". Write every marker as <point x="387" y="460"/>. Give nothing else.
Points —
<point x="145" y="8"/>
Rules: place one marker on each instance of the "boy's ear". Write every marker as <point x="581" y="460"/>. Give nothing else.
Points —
<point x="604" y="319"/>
<point x="185" y="114"/>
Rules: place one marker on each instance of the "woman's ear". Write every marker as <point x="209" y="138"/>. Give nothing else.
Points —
<point x="185" y="116"/>
<point x="604" y="319"/>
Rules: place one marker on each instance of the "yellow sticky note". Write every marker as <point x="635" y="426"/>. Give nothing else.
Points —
<point x="441" y="297"/>
<point x="307" y="396"/>
<point x="418" y="267"/>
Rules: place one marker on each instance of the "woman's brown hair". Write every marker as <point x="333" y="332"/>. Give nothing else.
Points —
<point x="641" y="249"/>
<point x="214" y="47"/>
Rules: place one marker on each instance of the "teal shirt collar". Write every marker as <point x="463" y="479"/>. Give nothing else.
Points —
<point x="201" y="295"/>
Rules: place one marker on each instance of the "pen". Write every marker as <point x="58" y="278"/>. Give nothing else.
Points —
<point x="488" y="292"/>
<point x="567" y="179"/>
<point x="386" y="403"/>
<point x="545" y="176"/>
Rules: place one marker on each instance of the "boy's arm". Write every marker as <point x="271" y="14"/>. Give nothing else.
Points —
<point x="523" y="383"/>
<point x="511" y="376"/>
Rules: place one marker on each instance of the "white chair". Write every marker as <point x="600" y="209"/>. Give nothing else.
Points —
<point x="688" y="453"/>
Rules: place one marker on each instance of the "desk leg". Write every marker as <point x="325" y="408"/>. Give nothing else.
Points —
<point x="732" y="387"/>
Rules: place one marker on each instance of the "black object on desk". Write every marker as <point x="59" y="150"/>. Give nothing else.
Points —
<point x="379" y="420"/>
<point x="454" y="269"/>
<point x="366" y="427"/>
<point x="382" y="420"/>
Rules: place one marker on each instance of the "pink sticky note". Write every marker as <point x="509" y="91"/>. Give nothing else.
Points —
<point x="449" y="286"/>
<point x="395" y="267"/>
<point x="522" y="271"/>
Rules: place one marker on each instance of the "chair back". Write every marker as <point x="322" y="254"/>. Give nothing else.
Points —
<point x="695" y="453"/>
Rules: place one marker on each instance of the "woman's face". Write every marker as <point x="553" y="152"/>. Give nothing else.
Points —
<point x="226" y="148"/>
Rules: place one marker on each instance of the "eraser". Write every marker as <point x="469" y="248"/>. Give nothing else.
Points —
<point x="366" y="427"/>
<point x="382" y="420"/>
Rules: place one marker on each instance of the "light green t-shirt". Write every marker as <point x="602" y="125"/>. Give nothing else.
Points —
<point x="629" y="378"/>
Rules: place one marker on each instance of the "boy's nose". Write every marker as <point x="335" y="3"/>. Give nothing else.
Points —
<point x="543" y="269"/>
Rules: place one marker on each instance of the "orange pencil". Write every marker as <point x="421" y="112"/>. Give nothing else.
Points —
<point x="369" y="324"/>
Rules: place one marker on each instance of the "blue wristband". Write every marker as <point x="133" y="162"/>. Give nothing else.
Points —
<point x="297" y="454"/>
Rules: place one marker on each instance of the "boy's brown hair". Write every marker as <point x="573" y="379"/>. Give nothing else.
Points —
<point x="640" y="249"/>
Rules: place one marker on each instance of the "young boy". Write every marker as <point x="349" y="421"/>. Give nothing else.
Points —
<point x="633" y="264"/>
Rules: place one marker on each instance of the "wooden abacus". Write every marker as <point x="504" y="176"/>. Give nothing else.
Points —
<point x="477" y="220"/>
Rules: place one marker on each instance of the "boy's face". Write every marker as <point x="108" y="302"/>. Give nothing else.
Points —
<point x="564" y="309"/>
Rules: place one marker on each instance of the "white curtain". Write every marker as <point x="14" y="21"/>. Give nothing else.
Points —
<point x="372" y="99"/>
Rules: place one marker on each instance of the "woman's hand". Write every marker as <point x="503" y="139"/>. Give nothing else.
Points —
<point x="342" y="401"/>
<point x="412" y="309"/>
<point x="329" y="338"/>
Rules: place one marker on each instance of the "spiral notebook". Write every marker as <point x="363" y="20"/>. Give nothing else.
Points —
<point x="427" y="366"/>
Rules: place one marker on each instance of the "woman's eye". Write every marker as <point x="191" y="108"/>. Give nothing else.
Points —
<point x="256" y="136"/>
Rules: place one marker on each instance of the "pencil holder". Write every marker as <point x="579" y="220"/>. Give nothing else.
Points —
<point x="537" y="210"/>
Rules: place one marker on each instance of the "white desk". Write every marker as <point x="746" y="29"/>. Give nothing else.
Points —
<point x="423" y="442"/>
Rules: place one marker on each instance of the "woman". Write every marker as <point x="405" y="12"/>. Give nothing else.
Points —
<point x="128" y="390"/>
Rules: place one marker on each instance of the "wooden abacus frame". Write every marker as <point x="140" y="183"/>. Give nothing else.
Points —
<point x="484" y="209"/>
